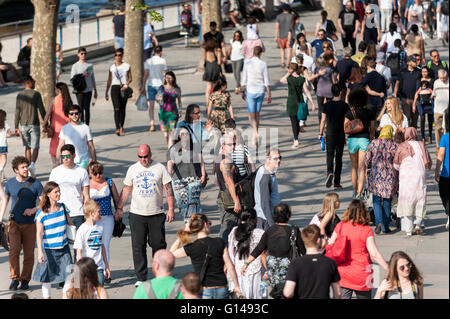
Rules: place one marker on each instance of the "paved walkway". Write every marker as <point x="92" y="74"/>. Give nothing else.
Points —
<point x="301" y="176"/>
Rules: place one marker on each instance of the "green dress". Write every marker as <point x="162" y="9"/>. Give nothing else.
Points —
<point x="295" y="87"/>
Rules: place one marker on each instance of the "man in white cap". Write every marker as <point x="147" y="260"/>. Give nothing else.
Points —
<point x="384" y="70"/>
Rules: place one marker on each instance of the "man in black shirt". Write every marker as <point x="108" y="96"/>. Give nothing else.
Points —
<point x="344" y="70"/>
<point x="24" y="57"/>
<point x="334" y="113"/>
<point x="349" y="24"/>
<point x="310" y="276"/>
<point x="119" y="28"/>
<point x="435" y="64"/>
<point x="218" y="36"/>
<point x="406" y="87"/>
<point x="377" y="83"/>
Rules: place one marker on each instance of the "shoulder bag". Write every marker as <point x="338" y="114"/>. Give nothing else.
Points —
<point x="206" y="262"/>
<point x="128" y="92"/>
<point x="71" y="229"/>
<point x="354" y="126"/>
<point x="119" y="226"/>
<point x="338" y="251"/>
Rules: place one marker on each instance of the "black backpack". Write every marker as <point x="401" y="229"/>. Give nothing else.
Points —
<point x="78" y="82"/>
<point x="393" y="62"/>
<point x="444" y="7"/>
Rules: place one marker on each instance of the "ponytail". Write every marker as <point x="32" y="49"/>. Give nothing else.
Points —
<point x="244" y="231"/>
<point x="197" y="223"/>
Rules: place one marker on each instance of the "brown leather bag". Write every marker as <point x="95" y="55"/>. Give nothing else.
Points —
<point x="354" y="126"/>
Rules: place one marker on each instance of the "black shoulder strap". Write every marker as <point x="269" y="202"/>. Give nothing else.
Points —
<point x="206" y="262"/>
<point x="21" y="196"/>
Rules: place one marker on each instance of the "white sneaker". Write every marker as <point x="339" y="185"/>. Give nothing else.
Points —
<point x="138" y="283"/>
<point x="32" y="171"/>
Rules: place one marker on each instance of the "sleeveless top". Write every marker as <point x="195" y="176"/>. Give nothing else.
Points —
<point x="220" y="178"/>
<point x="103" y="197"/>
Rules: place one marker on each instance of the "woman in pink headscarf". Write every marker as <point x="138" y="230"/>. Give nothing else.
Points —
<point x="411" y="160"/>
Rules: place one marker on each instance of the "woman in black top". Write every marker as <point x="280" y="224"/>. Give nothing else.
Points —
<point x="214" y="281"/>
<point x="358" y="143"/>
<point x="276" y="240"/>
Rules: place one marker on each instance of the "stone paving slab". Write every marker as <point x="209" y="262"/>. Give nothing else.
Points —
<point x="301" y="176"/>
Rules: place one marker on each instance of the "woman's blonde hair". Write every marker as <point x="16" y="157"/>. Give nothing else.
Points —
<point x="197" y="223"/>
<point x="320" y="62"/>
<point x="329" y="205"/>
<point x="396" y="115"/>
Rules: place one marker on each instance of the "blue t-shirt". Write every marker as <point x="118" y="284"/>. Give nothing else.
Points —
<point x="445" y="165"/>
<point x="147" y="39"/>
<point x="54" y="228"/>
<point x="14" y="189"/>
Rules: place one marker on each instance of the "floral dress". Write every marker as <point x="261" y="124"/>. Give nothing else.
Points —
<point x="168" y="113"/>
<point x="220" y="102"/>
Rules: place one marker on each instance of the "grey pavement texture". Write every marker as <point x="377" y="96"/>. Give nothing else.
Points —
<point x="301" y="176"/>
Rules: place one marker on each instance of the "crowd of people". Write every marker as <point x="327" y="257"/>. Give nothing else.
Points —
<point x="264" y="255"/>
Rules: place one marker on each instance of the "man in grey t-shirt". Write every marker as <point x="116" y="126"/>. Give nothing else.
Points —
<point x="84" y="97"/>
<point x="282" y="26"/>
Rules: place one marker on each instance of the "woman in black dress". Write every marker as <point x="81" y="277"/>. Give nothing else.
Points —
<point x="213" y="67"/>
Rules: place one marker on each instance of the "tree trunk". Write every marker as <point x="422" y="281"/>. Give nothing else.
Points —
<point x="211" y="11"/>
<point x="134" y="44"/>
<point x="43" y="52"/>
<point x="333" y="8"/>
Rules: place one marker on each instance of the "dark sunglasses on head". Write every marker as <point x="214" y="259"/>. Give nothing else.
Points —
<point x="145" y="156"/>
<point x="65" y="156"/>
<point x="402" y="267"/>
<point x="74" y="113"/>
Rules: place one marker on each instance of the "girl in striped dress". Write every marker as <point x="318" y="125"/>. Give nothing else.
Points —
<point x="54" y="259"/>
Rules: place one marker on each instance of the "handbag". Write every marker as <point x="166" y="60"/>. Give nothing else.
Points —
<point x="4" y="237"/>
<point x="338" y="251"/>
<point x="228" y="68"/>
<point x="384" y="47"/>
<point x="128" y="92"/>
<point x="354" y="126"/>
<point x="119" y="226"/>
<point x="334" y="37"/>
<point x="293" y="253"/>
<point x="71" y="229"/>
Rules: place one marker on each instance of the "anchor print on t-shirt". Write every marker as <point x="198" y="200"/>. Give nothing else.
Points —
<point x="146" y="184"/>
<point x="95" y="240"/>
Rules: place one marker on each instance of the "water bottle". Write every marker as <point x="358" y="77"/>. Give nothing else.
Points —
<point x="263" y="289"/>
<point x="322" y="143"/>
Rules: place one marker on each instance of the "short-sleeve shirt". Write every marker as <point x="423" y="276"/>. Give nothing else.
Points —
<point x="78" y="136"/>
<point x="89" y="240"/>
<point x="215" y="275"/>
<point x="445" y="165"/>
<point x="284" y="19"/>
<point x="366" y="116"/>
<point x="147" y="183"/>
<point x="71" y="183"/>
<point x="356" y="273"/>
<point x="162" y="287"/>
<point x="54" y="236"/>
<point x="348" y="20"/>
<point x="344" y="68"/>
<point x="156" y="66"/>
<point x="218" y="37"/>
<point x="147" y="39"/>
<point x="335" y="111"/>
<point x="119" y="25"/>
<point x="119" y="73"/>
<point x="3" y="133"/>
<point x="14" y="189"/>
<point x="313" y="275"/>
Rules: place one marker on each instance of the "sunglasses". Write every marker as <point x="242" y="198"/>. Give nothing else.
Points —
<point x="82" y="53"/>
<point x="435" y="56"/>
<point x="325" y="47"/>
<point x="118" y="55"/>
<point x="276" y="158"/>
<point x="145" y="156"/>
<point x="65" y="156"/>
<point x="74" y="113"/>
<point x="196" y="113"/>
<point x="184" y="134"/>
<point x="230" y="144"/>
<point x="97" y="173"/>
<point x="402" y="267"/>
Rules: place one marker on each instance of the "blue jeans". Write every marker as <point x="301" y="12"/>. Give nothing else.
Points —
<point x="382" y="211"/>
<point x="119" y="42"/>
<point x="215" y="293"/>
<point x="101" y="277"/>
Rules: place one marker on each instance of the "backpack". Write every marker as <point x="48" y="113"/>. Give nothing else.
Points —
<point x="442" y="63"/>
<point x="173" y="293"/>
<point x="186" y="18"/>
<point x="78" y="82"/>
<point x="393" y="62"/>
<point x="444" y="7"/>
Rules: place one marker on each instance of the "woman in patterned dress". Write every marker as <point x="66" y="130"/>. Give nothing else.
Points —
<point x="168" y="96"/>
<point x="411" y="160"/>
<point x="383" y="178"/>
<point x="219" y="106"/>
<point x="187" y="170"/>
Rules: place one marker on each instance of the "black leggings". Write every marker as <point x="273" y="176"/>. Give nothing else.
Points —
<point x="444" y="184"/>
<point x="84" y="101"/>
<point x="295" y="126"/>
<point x="119" y="104"/>
<point x="430" y="124"/>
<point x="320" y="103"/>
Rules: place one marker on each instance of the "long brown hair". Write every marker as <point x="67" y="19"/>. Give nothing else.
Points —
<point x="414" y="274"/>
<point x="44" y="205"/>
<point x="357" y="213"/>
<point x="355" y="75"/>
<point x="84" y="279"/>
<point x="2" y="119"/>
<point x="197" y="223"/>
<point x="67" y="100"/>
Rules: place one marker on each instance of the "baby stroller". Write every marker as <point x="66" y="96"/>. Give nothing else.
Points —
<point x="367" y="197"/>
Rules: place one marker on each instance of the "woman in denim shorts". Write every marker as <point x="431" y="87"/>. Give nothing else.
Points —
<point x="358" y="143"/>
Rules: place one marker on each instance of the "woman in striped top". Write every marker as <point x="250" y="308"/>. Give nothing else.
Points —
<point x="54" y="259"/>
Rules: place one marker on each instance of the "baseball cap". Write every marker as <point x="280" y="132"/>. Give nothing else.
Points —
<point x="380" y="57"/>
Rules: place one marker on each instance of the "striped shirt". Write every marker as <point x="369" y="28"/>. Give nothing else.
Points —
<point x="238" y="157"/>
<point x="54" y="228"/>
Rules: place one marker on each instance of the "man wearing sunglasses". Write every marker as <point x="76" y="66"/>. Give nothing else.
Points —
<point x="266" y="189"/>
<point x="146" y="181"/>
<point x="84" y="97"/>
<point x="79" y="135"/>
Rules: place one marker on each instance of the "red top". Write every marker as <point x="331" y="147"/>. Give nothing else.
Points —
<point x="356" y="273"/>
